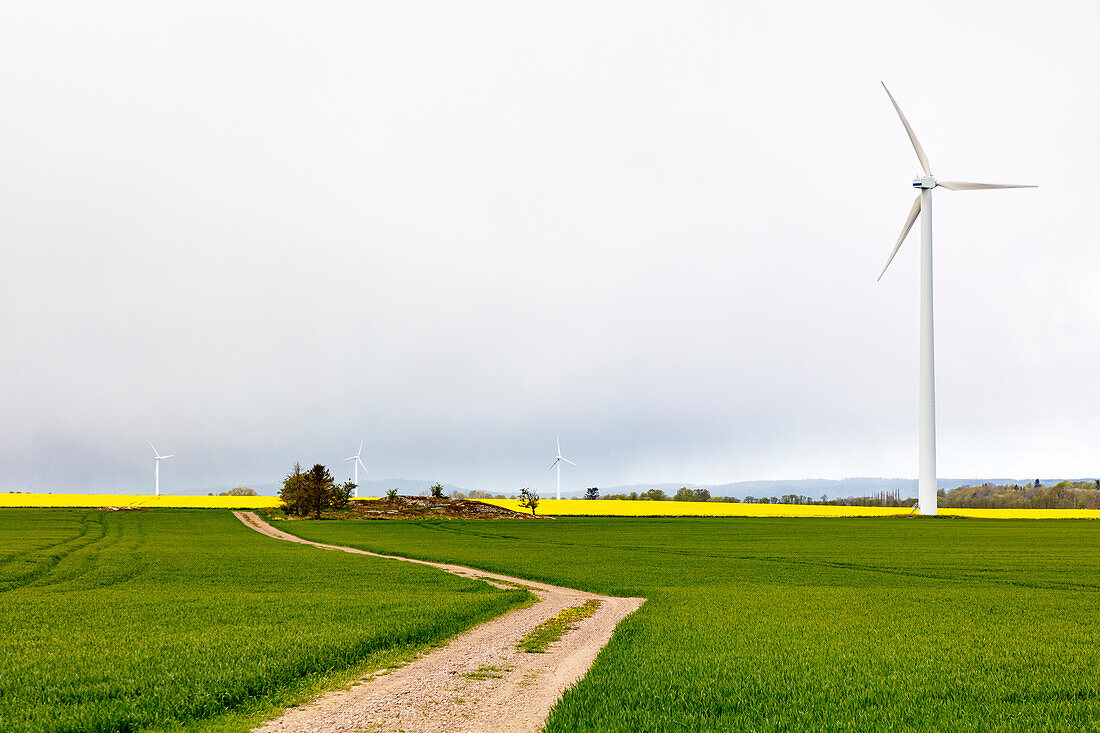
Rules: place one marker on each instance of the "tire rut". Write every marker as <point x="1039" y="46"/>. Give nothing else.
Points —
<point x="43" y="562"/>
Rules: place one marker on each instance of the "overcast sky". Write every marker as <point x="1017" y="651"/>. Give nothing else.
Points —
<point x="259" y="233"/>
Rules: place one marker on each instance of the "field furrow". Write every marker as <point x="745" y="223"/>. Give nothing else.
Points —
<point x="36" y="565"/>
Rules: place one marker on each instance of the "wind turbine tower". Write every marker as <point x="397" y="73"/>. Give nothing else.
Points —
<point x="358" y="462"/>
<point x="557" y="462"/>
<point x="157" y="458"/>
<point x="926" y="491"/>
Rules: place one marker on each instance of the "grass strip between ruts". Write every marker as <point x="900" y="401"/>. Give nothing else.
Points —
<point x="546" y="633"/>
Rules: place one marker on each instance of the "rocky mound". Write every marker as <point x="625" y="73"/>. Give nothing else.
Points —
<point x="427" y="507"/>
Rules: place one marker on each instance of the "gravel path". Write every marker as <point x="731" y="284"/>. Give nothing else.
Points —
<point x="478" y="681"/>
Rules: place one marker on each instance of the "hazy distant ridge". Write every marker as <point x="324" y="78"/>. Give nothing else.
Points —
<point x="811" y="487"/>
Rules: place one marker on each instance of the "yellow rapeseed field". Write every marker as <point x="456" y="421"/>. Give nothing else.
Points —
<point x="1023" y="513"/>
<point x="554" y="507"/>
<point x="616" y="507"/>
<point x="139" y="500"/>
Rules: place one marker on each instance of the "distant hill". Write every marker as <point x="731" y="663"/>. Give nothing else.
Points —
<point x="812" y="487"/>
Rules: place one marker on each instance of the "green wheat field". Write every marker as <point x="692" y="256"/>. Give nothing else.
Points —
<point x="172" y="620"/>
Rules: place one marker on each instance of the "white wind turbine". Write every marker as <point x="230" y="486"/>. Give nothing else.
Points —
<point x="156" y="471"/>
<point x="357" y="464"/>
<point x="926" y="491"/>
<point x="557" y="462"/>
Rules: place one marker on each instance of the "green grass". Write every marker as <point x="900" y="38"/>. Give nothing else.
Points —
<point x="185" y="620"/>
<point x="806" y="624"/>
<point x="539" y="639"/>
<point x="486" y="671"/>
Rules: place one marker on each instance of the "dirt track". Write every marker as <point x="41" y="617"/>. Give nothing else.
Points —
<point x="478" y="681"/>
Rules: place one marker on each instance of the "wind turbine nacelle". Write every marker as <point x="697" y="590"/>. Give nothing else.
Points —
<point x="926" y="182"/>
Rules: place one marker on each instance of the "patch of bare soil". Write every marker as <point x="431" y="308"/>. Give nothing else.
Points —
<point x="479" y="681"/>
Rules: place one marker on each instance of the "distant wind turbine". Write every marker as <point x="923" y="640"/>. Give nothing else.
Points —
<point x="926" y="491"/>
<point x="557" y="462"/>
<point x="358" y="462"/>
<point x="156" y="471"/>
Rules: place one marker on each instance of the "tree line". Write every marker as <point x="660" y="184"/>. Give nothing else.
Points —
<point x="1062" y="495"/>
<point x="884" y="498"/>
<point x="683" y="494"/>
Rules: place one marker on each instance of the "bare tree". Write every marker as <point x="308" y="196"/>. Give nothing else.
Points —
<point x="529" y="500"/>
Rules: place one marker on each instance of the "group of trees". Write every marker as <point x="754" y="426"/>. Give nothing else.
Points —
<point x="683" y="494"/>
<point x="686" y="494"/>
<point x="884" y="498"/>
<point x="1063" y="495"/>
<point x="650" y="495"/>
<point x="238" y="491"/>
<point x="313" y="491"/>
<point x="475" y="494"/>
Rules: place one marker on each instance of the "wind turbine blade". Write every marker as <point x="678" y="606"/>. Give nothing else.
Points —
<point x="912" y="135"/>
<point x="559" y="444"/>
<point x="167" y="456"/>
<point x="360" y="449"/>
<point x="904" y="231"/>
<point x="360" y="460"/>
<point x="351" y="458"/>
<point x="568" y="461"/>
<point x="967" y="186"/>
<point x="154" y="449"/>
<point x="553" y="464"/>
